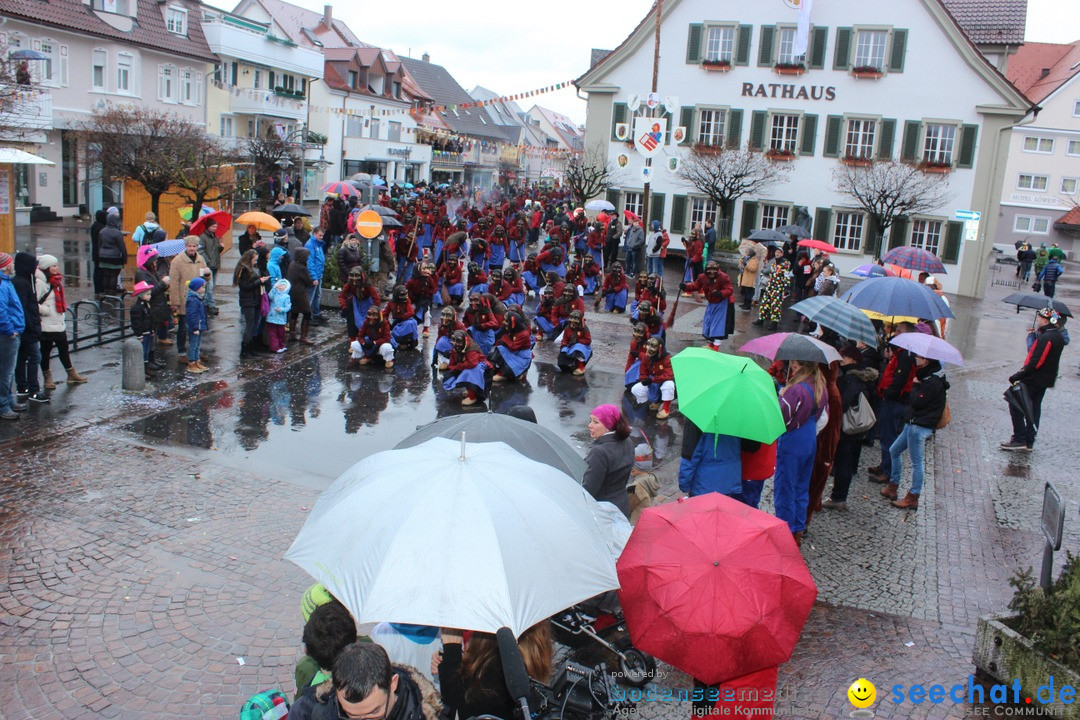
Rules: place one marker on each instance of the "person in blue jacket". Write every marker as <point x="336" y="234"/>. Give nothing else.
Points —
<point x="710" y="463"/>
<point x="12" y="325"/>
<point x="316" y="263"/>
<point x="1049" y="277"/>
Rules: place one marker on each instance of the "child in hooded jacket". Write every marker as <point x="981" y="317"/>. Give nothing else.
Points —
<point x="278" y="317"/>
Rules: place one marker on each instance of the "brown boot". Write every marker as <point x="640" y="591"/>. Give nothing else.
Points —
<point x="910" y="502"/>
<point x="49" y="384"/>
<point x="74" y="377"/>
<point x="889" y="491"/>
<point x="304" y="331"/>
<point x="195" y="368"/>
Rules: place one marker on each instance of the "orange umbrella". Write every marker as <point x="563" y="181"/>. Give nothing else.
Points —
<point x="261" y="220"/>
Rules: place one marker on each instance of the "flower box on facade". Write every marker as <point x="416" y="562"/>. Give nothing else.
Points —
<point x="716" y="65"/>
<point x="936" y="168"/>
<point x="703" y="149"/>
<point x="780" y="155"/>
<point x="786" y="69"/>
<point x="856" y="161"/>
<point x="867" y="72"/>
<point x="1004" y="655"/>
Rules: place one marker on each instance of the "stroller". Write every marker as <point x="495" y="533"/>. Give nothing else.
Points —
<point x="596" y="628"/>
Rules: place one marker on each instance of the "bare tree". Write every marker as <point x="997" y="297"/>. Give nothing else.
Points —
<point x="725" y="174"/>
<point x="590" y="173"/>
<point x="21" y="111"/>
<point x="199" y="171"/>
<point x="138" y="143"/>
<point x="888" y="190"/>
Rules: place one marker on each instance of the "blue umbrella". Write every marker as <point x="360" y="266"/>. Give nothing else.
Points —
<point x="898" y="296"/>
<point x="870" y="270"/>
<point x="168" y="248"/>
<point x="28" y="55"/>
<point x="408" y="186"/>
<point x="378" y="181"/>
<point x="835" y="314"/>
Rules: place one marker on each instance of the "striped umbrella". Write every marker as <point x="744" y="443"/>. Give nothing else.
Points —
<point x="915" y="259"/>
<point x="835" y="314"/>
<point x="344" y="189"/>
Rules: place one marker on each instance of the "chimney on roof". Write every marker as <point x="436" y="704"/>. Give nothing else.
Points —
<point x="328" y="16"/>
<point x="425" y="57"/>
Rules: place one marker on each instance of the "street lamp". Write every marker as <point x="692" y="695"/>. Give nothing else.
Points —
<point x="284" y="163"/>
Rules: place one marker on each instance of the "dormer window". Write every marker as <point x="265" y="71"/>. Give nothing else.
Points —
<point x="176" y="20"/>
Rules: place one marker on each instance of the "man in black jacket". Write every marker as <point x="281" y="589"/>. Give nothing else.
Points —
<point x="1037" y="376"/>
<point x="28" y="361"/>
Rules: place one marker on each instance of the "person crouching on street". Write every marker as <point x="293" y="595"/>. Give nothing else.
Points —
<point x="195" y="312"/>
<point x="373" y="342"/>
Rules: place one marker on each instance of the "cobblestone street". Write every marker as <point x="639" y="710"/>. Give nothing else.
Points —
<point x="141" y="536"/>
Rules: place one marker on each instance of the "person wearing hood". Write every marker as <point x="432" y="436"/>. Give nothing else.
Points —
<point x="300" y="280"/>
<point x="52" y="307"/>
<point x="276" y="319"/>
<point x="928" y="398"/>
<point x="112" y="253"/>
<point x="185" y="267"/>
<point x="316" y="264"/>
<point x="196" y="324"/>
<point x="29" y="358"/>
<point x="12" y="325"/>
<point x="149" y="232"/>
<point x="95" y="244"/>
<point x="275" y="266"/>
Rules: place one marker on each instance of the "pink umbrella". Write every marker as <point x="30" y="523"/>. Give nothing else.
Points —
<point x="818" y="245"/>
<point x="792" y="346"/>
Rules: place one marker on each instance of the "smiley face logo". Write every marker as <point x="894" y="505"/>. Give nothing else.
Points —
<point x="862" y="693"/>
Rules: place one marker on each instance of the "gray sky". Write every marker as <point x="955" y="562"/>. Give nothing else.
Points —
<point x="510" y="49"/>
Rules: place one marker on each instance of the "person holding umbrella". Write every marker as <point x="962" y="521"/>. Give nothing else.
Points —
<point x="210" y="248"/>
<point x="894" y="389"/>
<point x="855" y="383"/>
<point x="709" y="463"/>
<point x="802" y="401"/>
<point x="1038" y="374"/>
<point x="610" y="458"/>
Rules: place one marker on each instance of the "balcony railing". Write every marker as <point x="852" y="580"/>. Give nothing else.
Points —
<point x="26" y="107"/>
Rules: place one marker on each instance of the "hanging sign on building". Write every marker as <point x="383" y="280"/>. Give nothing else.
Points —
<point x="649" y="135"/>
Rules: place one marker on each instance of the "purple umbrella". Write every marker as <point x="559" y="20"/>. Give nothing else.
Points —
<point x="870" y="270"/>
<point x="792" y="346"/>
<point x="928" y="346"/>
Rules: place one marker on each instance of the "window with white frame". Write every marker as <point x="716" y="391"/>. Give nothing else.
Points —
<point x="53" y="70"/>
<point x="187" y="86"/>
<point x="939" y="143"/>
<point x="701" y="209"/>
<point x="784" y="133"/>
<point x="167" y="91"/>
<point x="720" y="44"/>
<point x="1039" y="145"/>
<point x="1073" y="147"/>
<point x="176" y="20"/>
<point x="1068" y="186"/>
<point x="256" y="79"/>
<point x="99" y="59"/>
<point x="634" y="202"/>
<point x="393" y="131"/>
<point x="786" y="49"/>
<point x="1032" y="182"/>
<point x="773" y="216"/>
<point x="848" y="230"/>
<point x="227" y="128"/>
<point x="870" y="48"/>
<point x="1029" y="224"/>
<point x="859" y="142"/>
<point x="711" y="125"/>
<point x="354" y="126"/>
<point x="124" y="64"/>
<point x="926" y="234"/>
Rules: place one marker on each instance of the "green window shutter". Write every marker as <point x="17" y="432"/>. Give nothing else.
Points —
<point x="734" y="128"/>
<point x="742" y="47"/>
<point x="749" y="218"/>
<point x="968" y="136"/>
<point x="656" y="208"/>
<point x="678" y="214"/>
<point x="613" y="197"/>
<point x="870" y="241"/>
<point x="693" y="43"/>
<point x="910" y="150"/>
<point x="834" y="126"/>
<point x="899" y="50"/>
<point x="886" y="138"/>
<point x="822" y="224"/>
<point x="819" y="39"/>
<point x="765" y="49"/>
<point x="898" y="233"/>
<point x="808" y="133"/>
<point x="954" y="235"/>
<point x="842" y="57"/>
<point x="618" y="115"/>
<point x="757" y="129"/>
<point x="686" y="119"/>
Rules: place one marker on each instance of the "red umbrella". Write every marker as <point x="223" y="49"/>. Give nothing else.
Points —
<point x="714" y="587"/>
<point x="630" y="216"/>
<point x="223" y="219"/>
<point x="818" y="245"/>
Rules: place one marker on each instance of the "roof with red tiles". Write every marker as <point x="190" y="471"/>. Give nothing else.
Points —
<point x="1038" y="69"/>
<point x="307" y="27"/>
<point x="1070" y="218"/>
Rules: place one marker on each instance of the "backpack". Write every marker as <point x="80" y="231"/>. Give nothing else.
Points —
<point x="859" y="418"/>
<point x="152" y="236"/>
<point x="267" y="705"/>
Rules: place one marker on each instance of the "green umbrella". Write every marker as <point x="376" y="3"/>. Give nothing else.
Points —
<point x="727" y="395"/>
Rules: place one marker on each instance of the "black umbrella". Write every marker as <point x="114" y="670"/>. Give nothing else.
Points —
<point x="289" y="209"/>
<point x="768" y="235"/>
<point x="1035" y="301"/>
<point x="795" y="230"/>
<point x="384" y="211"/>
<point x="391" y="221"/>
<point x="530" y="439"/>
<point x="1017" y="396"/>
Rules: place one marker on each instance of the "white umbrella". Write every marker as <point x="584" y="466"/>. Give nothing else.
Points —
<point x="599" y="205"/>
<point x="454" y="534"/>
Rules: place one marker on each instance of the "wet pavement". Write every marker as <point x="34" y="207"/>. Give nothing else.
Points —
<point x="141" y="534"/>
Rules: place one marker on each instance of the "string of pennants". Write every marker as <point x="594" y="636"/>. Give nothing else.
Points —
<point x="444" y="109"/>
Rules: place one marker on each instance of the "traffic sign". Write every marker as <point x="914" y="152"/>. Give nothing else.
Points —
<point x="369" y="224"/>
<point x="968" y="215"/>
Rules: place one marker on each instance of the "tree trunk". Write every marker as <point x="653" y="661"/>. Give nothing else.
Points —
<point x="155" y="203"/>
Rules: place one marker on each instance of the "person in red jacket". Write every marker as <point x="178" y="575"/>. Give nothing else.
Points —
<point x="468" y="369"/>
<point x="373" y="343"/>
<point x="404" y="330"/>
<point x="513" y="351"/>
<point x="632" y="370"/>
<point x="448" y="324"/>
<point x="715" y="286"/>
<point x="652" y="320"/>
<point x="576" y="348"/>
<point x="481" y="322"/>
<point x="358" y="295"/>
<point x="512" y="292"/>
<point x="422" y="289"/>
<point x="654" y="291"/>
<point x="452" y="286"/>
<point x="657" y="379"/>
<point x="614" y="290"/>
<point x="695" y="255"/>
<point x="497" y="247"/>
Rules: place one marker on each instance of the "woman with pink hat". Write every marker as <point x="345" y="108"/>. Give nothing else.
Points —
<point x="610" y="459"/>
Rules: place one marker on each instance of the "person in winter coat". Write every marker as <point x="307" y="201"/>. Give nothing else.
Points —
<point x="52" y="307"/>
<point x="274" y="264"/>
<point x="12" y="325"/>
<point x="196" y="325"/>
<point x="149" y="232"/>
<point x="210" y="248"/>
<point x="153" y="270"/>
<point x="349" y="255"/>
<point x="1038" y="375"/>
<point x="300" y="281"/>
<point x="611" y="244"/>
<point x="112" y="253"/>
<point x="1025" y="256"/>
<point x="248" y="239"/>
<point x="142" y="324"/>
<point x="316" y="265"/>
<point x="894" y="389"/>
<point x="610" y="459"/>
<point x="1042" y="257"/>
<point x="802" y="401"/>
<point x="856" y="385"/>
<point x="709" y="463"/>
<point x="184" y="268"/>
<point x="28" y="360"/>
<point x="100" y="222"/>
<point x="635" y="248"/>
<point x="655" y="244"/>
<point x="278" y="317"/>
<point x="250" y="288"/>
<point x="828" y="437"/>
<point x="1049" y="275"/>
<point x="928" y="398"/>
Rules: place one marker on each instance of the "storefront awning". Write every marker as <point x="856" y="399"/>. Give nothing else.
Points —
<point x="19" y="157"/>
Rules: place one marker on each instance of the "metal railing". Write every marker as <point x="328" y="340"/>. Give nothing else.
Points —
<point x="93" y="323"/>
